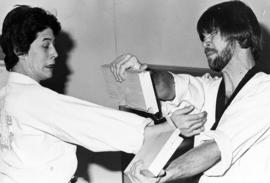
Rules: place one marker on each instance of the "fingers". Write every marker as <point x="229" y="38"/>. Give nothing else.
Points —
<point x="188" y="119"/>
<point x="123" y="63"/>
<point x="146" y="173"/>
<point x="189" y="124"/>
<point x="196" y="118"/>
<point x="162" y="173"/>
<point x="143" y="67"/>
<point x="193" y="130"/>
<point x="114" y="66"/>
<point x="138" y="174"/>
<point x="184" y="110"/>
<point x="134" y="173"/>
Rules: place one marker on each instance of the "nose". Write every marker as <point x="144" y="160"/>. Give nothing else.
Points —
<point x="207" y="41"/>
<point x="54" y="53"/>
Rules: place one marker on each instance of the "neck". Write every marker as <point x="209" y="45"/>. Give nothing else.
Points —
<point x="241" y="62"/>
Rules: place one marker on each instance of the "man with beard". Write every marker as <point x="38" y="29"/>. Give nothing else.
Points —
<point x="237" y="128"/>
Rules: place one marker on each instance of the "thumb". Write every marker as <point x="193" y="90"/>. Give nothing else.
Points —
<point x="162" y="173"/>
<point x="147" y="173"/>
<point x="184" y="110"/>
<point x="143" y="67"/>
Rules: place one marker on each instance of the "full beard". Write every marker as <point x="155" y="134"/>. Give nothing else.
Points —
<point x="222" y="59"/>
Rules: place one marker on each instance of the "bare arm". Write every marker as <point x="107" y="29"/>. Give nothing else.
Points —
<point x="164" y="85"/>
<point x="195" y="161"/>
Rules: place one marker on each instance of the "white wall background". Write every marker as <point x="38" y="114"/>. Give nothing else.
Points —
<point x="157" y="31"/>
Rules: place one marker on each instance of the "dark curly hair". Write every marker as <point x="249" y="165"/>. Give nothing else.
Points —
<point x="20" y="29"/>
<point x="235" y="21"/>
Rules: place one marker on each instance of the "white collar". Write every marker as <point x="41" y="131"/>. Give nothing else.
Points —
<point x="15" y="77"/>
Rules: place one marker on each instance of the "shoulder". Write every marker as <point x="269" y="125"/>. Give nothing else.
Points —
<point x="24" y="96"/>
<point x="207" y="77"/>
<point x="258" y="86"/>
<point x="261" y="79"/>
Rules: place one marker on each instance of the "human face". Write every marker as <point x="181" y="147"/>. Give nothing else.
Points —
<point x="218" y="50"/>
<point x="40" y="59"/>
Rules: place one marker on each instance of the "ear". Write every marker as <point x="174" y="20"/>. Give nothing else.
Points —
<point x="22" y="57"/>
<point x="245" y="42"/>
<point x="19" y="54"/>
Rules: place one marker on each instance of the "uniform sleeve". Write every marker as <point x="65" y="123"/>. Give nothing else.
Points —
<point x="92" y="126"/>
<point x="242" y="125"/>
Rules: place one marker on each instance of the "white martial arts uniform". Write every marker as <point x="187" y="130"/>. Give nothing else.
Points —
<point x="44" y="128"/>
<point x="243" y="131"/>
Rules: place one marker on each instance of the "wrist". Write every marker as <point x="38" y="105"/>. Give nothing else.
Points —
<point x="170" y="122"/>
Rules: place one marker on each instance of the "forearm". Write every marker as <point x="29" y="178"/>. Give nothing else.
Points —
<point x="157" y="129"/>
<point x="193" y="162"/>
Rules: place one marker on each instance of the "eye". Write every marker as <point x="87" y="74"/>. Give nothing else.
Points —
<point x="205" y="37"/>
<point x="213" y="34"/>
<point x="209" y="36"/>
<point x="46" y="45"/>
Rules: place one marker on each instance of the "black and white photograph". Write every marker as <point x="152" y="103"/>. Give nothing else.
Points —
<point x="134" y="91"/>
